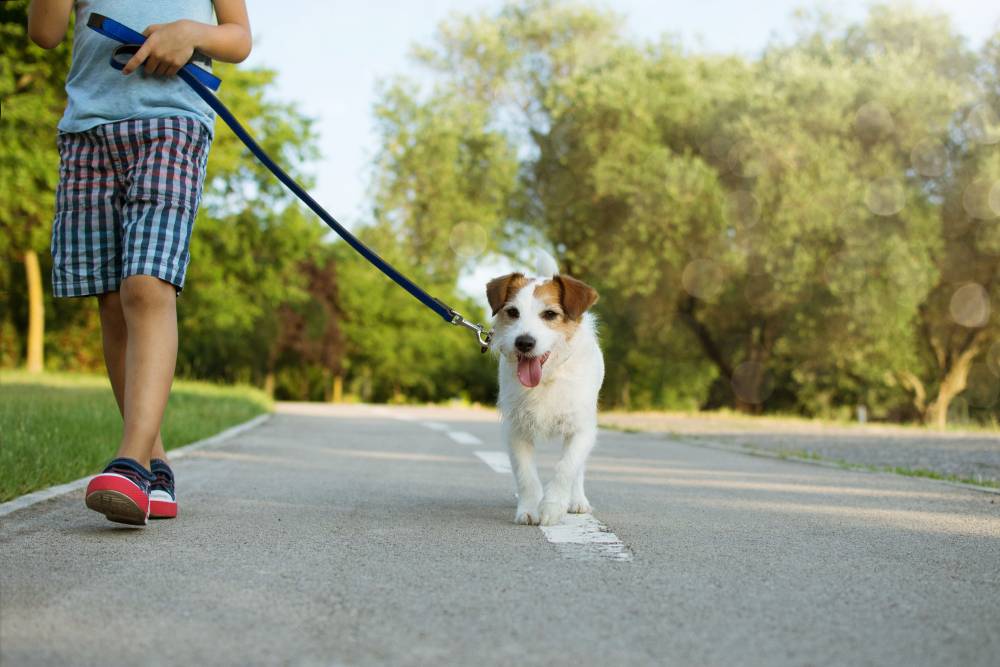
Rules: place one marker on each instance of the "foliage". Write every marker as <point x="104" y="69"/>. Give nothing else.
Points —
<point x="806" y="231"/>
<point x="32" y="101"/>
<point x="795" y="227"/>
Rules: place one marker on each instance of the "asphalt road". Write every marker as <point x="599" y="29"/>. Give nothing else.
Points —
<point x="378" y="536"/>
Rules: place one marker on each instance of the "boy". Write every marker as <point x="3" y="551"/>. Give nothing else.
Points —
<point x="133" y="147"/>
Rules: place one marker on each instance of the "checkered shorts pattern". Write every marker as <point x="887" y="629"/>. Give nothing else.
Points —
<point x="126" y="202"/>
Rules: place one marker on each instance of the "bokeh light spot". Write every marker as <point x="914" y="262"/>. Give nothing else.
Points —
<point x="703" y="279"/>
<point x="970" y="305"/>
<point x="467" y="240"/>
<point x="886" y="196"/>
<point x="751" y="382"/>
<point x="977" y="199"/>
<point x="929" y="158"/>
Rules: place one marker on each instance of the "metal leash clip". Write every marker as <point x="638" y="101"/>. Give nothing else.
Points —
<point x="482" y="335"/>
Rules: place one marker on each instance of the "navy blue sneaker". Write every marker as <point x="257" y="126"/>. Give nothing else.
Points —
<point x="121" y="492"/>
<point x="162" y="496"/>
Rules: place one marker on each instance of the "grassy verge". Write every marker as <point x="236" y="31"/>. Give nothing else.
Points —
<point x="805" y="455"/>
<point x="57" y="427"/>
<point x="808" y="456"/>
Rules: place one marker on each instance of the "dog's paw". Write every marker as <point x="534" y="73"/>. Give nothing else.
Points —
<point x="551" y="512"/>
<point x="527" y="516"/>
<point x="579" y="506"/>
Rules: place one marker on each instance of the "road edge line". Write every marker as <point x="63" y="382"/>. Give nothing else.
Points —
<point x="35" y="497"/>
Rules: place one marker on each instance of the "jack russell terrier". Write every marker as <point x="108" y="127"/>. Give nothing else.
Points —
<point x="551" y="370"/>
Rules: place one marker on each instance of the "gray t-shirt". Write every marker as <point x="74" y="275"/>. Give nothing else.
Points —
<point x="100" y="94"/>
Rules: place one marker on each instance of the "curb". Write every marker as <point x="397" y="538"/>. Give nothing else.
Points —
<point x="35" y="497"/>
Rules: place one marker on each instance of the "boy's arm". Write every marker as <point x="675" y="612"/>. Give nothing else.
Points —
<point x="169" y="46"/>
<point x="48" y="21"/>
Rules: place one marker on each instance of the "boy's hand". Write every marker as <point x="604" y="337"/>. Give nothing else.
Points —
<point x="167" y="48"/>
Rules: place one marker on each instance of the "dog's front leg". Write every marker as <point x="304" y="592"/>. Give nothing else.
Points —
<point x="521" y="448"/>
<point x="558" y="492"/>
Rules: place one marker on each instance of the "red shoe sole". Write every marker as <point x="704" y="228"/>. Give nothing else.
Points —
<point x="162" y="509"/>
<point x="118" y="499"/>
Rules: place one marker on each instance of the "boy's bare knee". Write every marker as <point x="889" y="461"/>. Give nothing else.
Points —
<point x="146" y="293"/>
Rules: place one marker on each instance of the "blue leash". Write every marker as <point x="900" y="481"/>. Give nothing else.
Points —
<point x="203" y="83"/>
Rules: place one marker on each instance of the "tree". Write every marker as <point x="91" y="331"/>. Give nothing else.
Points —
<point x="32" y="101"/>
<point x="959" y="320"/>
<point x="785" y="216"/>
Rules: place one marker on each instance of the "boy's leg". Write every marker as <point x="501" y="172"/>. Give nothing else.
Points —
<point x="114" y="332"/>
<point x="149" y="307"/>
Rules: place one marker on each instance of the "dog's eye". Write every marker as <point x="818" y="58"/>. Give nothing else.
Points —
<point x="549" y="315"/>
<point x="512" y="312"/>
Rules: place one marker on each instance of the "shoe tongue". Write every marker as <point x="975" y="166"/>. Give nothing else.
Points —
<point x="130" y="467"/>
<point x="529" y="371"/>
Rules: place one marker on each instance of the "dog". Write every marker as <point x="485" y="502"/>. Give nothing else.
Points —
<point x="550" y="373"/>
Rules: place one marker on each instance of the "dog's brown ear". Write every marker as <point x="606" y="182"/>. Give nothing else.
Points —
<point x="499" y="289"/>
<point x="575" y="296"/>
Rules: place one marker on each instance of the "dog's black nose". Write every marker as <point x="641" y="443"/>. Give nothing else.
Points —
<point x="524" y="343"/>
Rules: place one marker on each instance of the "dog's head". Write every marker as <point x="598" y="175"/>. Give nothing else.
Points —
<point x="535" y="318"/>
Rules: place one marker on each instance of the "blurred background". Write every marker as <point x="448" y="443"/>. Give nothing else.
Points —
<point x="786" y="209"/>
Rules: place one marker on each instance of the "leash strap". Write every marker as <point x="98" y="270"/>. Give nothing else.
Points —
<point x="203" y="83"/>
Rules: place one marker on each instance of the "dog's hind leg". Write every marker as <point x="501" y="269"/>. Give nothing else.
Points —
<point x="521" y="448"/>
<point x="569" y="471"/>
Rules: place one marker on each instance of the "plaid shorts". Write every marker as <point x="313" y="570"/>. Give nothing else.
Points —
<point x="127" y="198"/>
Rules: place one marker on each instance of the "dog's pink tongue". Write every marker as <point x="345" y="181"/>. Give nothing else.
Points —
<point x="529" y="371"/>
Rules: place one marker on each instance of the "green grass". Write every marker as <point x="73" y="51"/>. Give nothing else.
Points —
<point x="806" y="455"/>
<point x="58" y="427"/>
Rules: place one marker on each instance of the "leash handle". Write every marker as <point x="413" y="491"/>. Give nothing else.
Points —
<point x="121" y="33"/>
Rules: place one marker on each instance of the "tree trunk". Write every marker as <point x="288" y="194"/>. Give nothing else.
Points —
<point x="686" y="312"/>
<point x="953" y="383"/>
<point x="269" y="383"/>
<point x="912" y="382"/>
<point x="337" y="395"/>
<point x="36" y="313"/>
<point x="951" y="386"/>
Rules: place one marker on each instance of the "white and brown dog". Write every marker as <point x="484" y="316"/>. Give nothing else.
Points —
<point x="551" y="370"/>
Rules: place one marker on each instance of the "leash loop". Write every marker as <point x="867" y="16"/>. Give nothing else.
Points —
<point x="203" y="83"/>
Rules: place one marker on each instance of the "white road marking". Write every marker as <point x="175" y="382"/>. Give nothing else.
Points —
<point x="435" y="426"/>
<point x="577" y="536"/>
<point x="463" y="438"/>
<point x="498" y="461"/>
<point x="582" y="537"/>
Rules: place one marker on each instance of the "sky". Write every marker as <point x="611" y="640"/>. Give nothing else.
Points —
<point x="330" y="55"/>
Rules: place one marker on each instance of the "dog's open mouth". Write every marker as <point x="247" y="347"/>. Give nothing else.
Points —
<point x="529" y="369"/>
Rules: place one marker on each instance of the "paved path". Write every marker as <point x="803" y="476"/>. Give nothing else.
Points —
<point x="378" y="536"/>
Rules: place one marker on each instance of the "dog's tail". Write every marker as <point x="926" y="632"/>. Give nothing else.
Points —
<point x="546" y="266"/>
